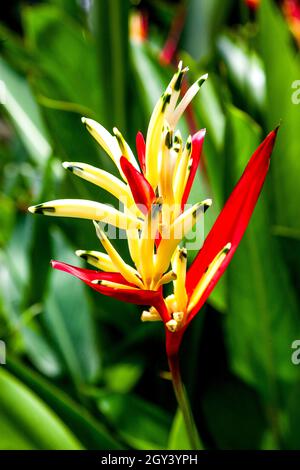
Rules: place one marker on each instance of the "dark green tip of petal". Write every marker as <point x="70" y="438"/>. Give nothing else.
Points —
<point x="87" y="256"/>
<point x="188" y="144"/>
<point x="41" y="209"/>
<point x="178" y="82"/>
<point x="176" y="139"/>
<point x="168" y="140"/>
<point x="166" y="100"/>
<point x="183" y="253"/>
<point x="202" y="80"/>
<point x="201" y="208"/>
<point x="74" y="168"/>
<point x="205" y="207"/>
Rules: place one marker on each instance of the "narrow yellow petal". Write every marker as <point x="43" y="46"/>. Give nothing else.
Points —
<point x="84" y="209"/>
<point x="179" y="263"/>
<point x="207" y="277"/>
<point x="103" y="179"/>
<point x="166" y="278"/>
<point x="182" y="172"/>
<point x="113" y="285"/>
<point x="133" y="243"/>
<point x="188" y="97"/>
<point x="124" y="148"/>
<point x="154" y="137"/>
<point x="165" y="181"/>
<point x="173" y="235"/>
<point x="129" y="273"/>
<point x="147" y="241"/>
<point x="98" y="259"/>
<point x="104" y="138"/>
<point x="171" y="303"/>
<point x="175" y="86"/>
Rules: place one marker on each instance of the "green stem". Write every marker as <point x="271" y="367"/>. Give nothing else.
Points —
<point x="183" y="403"/>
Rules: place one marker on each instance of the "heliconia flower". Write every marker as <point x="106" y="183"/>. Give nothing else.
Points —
<point x="153" y="191"/>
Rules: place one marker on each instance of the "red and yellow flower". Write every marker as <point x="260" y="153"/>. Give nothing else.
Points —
<point x="153" y="190"/>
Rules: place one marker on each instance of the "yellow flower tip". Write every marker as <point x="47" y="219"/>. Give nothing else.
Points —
<point x="227" y="248"/>
<point x="206" y="204"/>
<point x="96" y="281"/>
<point x="41" y="209"/>
<point x="99" y="231"/>
<point x="178" y="316"/>
<point x="172" y="325"/>
<point x="204" y="77"/>
<point x="150" y="316"/>
<point x="80" y="253"/>
<point x="84" y="120"/>
<point x="66" y="165"/>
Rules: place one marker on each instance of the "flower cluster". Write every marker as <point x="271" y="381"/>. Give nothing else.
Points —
<point x="153" y="190"/>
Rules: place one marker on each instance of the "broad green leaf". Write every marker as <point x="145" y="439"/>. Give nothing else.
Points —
<point x="282" y="68"/>
<point x="64" y="87"/>
<point x="234" y="416"/>
<point x="141" y="424"/>
<point x="68" y="318"/>
<point x="92" y="433"/>
<point x="17" y="99"/>
<point x="245" y="73"/>
<point x="124" y="376"/>
<point x="263" y="316"/>
<point x="110" y="23"/>
<point x="27" y="423"/>
<point x="203" y="23"/>
<point x="178" y="438"/>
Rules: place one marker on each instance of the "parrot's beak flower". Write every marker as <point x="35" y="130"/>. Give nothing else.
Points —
<point x="153" y="190"/>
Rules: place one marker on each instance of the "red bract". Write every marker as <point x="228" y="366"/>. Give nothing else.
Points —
<point x="134" y="296"/>
<point x="141" y="150"/>
<point x="141" y="190"/>
<point x="228" y="228"/>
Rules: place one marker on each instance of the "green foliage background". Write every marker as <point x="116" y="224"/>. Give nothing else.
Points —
<point x="82" y="370"/>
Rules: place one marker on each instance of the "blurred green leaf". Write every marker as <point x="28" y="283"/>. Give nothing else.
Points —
<point x="245" y="73"/>
<point x="263" y="315"/>
<point x="282" y="69"/>
<point x="110" y="21"/>
<point x="141" y="424"/>
<point x="234" y="416"/>
<point x="27" y="423"/>
<point x="68" y="318"/>
<point x="178" y="438"/>
<point x="88" y="430"/>
<point x="17" y="98"/>
<point x="204" y="21"/>
<point x="123" y="377"/>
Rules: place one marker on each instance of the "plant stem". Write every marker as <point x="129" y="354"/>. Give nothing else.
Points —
<point x="183" y="403"/>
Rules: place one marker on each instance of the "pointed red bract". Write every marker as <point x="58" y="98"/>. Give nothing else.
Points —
<point x="197" y="145"/>
<point x="233" y="220"/>
<point x="141" y="150"/>
<point x="136" y="296"/>
<point x="141" y="189"/>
